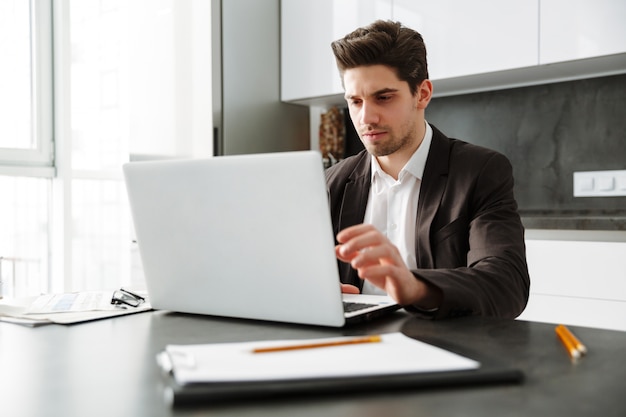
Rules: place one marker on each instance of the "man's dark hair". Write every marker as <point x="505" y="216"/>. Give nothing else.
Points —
<point x="384" y="43"/>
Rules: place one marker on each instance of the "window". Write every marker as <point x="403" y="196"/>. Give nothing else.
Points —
<point x="24" y="227"/>
<point x="26" y="158"/>
<point x="26" y="83"/>
<point x="132" y="80"/>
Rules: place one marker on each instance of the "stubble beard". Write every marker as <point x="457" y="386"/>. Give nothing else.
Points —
<point x="392" y="145"/>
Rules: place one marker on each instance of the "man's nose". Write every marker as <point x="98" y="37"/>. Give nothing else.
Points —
<point x="369" y="114"/>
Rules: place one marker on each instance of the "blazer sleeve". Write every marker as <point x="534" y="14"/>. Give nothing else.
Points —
<point x="476" y="251"/>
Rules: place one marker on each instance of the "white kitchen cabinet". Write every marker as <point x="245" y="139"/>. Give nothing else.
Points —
<point x="577" y="278"/>
<point x="580" y="29"/>
<point x="472" y="46"/>
<point x="307" y="29"/>
<point x="473" y="37"/>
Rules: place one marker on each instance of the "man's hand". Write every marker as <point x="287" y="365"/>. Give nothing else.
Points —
<point x="378" y="260"/>
<point x="349" y="289"/>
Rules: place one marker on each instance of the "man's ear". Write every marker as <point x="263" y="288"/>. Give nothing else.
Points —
<point x="424" y="94"/>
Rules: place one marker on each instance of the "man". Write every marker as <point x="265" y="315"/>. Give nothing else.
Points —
<point x="429" y="220"/>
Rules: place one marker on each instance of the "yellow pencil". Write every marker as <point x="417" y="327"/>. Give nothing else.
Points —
<point x="574" y="347"/>
<point x="366" y="339"/>
<point x="577" y="343"/>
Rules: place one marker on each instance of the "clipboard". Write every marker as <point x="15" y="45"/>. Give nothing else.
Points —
<point x="405" y="364"/>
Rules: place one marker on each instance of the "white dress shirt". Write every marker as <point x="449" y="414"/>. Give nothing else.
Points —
<point x="392" y="204"/>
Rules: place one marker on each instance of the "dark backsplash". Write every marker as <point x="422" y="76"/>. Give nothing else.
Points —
<point x="548" y="132"/>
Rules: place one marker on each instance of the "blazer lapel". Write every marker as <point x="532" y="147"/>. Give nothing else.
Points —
<point x="355" y="195"/>
<point x="431" y="192"/>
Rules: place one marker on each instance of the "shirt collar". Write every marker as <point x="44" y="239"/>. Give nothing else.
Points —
<point x="415" y="165"/>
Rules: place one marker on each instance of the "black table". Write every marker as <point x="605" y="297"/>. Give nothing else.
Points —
<point x="108" y="368"/>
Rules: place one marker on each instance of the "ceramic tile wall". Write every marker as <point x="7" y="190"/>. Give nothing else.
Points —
<point x="548" y="132"/>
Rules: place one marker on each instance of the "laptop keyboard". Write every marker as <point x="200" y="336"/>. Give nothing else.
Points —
<point x="349" y="307"/>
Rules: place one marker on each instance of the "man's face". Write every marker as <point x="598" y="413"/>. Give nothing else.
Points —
<point x="383" y="111"/>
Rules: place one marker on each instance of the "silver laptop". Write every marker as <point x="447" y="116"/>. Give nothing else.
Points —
<point x="246" y="236"/>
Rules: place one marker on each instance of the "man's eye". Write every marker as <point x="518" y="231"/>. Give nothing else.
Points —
<point x="384" y="98"/>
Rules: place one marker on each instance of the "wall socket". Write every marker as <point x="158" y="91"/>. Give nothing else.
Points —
<point x="600" y="183"/>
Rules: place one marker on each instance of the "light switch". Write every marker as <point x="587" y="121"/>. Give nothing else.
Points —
<point x="606" y="183"/>
<point x="600" y="183"/>
<point x="585" y="184"/>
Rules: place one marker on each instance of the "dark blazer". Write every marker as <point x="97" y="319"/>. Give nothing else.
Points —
<point x="469" y="237"/>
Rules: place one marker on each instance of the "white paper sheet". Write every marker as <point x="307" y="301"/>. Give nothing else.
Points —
<point x="72" y="302"/>
<point x="232" y="362"/>
<point x="65" y="308"/>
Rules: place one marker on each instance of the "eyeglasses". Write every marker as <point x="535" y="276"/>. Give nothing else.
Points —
<point x="125" y="298"/>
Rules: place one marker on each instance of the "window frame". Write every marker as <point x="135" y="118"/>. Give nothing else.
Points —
<point x="39" y="160"/>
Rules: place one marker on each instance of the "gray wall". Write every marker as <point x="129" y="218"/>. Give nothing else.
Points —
<point x="548" y="132"/>
<point x="253" y="119"/>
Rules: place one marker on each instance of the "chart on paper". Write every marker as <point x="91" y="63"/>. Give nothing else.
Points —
<point x="71" y="302"/>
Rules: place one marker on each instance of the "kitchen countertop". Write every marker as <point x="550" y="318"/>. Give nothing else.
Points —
<point x="574" y="222"/>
